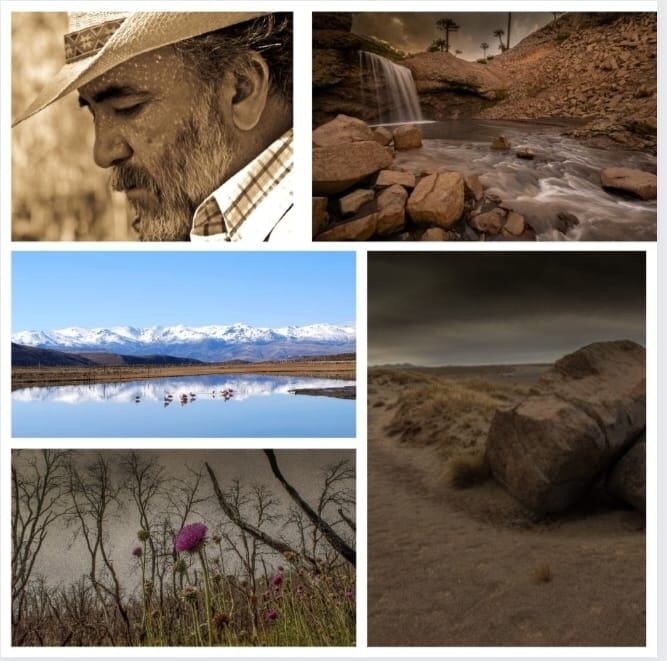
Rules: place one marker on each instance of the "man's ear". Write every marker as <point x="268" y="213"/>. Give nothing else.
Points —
<point x="251" y="91"/>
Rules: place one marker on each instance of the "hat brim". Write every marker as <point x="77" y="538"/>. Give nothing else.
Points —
<point x="140" y="33"/>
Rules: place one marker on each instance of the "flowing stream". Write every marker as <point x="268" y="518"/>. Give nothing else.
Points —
<point x="395" y="92"/>
<point x="563" y="177"/>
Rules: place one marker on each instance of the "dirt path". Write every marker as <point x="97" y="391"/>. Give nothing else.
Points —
<point x="438" y="575"/>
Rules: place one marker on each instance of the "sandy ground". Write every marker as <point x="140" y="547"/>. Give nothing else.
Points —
<point x="458" y="568"/>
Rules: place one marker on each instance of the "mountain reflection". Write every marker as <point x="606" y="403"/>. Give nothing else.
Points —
<point x="176" y="391"/>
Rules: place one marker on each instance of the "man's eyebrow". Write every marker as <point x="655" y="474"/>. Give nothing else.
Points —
<point x="112" y="92"/>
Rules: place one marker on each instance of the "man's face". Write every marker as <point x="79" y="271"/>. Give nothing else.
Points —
<point x="160" y="130"/>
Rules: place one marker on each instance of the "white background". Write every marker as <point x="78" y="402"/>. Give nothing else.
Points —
<point x="656" y="462"/>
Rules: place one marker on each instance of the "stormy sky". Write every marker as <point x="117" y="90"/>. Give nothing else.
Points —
<point x="64" y="558"/>
<point x="500" y="308"/>
<point x="413" y="32"/>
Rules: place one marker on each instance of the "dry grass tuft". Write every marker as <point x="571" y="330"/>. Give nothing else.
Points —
<point x="466" y="471"/>
<point x="542" y="573"/>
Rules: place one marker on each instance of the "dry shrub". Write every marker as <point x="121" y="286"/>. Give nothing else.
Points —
<point x="542" y="573"/>
<point x="450" y="414"/>
<point x="466" y="471"/>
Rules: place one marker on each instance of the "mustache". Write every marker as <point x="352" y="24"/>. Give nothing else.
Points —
<point x="124" y="177"/>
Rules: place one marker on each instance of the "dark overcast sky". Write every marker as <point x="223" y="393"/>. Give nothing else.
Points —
<point x="500" y="308"/>
<point x="413" y="32"/>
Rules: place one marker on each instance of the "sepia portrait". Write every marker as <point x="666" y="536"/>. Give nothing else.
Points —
<point x="157" y="126"/>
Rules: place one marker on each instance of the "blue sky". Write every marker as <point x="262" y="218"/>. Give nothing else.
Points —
<point x="54" y="290"/>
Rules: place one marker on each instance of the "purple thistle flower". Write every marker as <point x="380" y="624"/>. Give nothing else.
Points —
<point x="137" y="552"/>
<point x="349" y="594"/>
<point x="277" y="580"/>
<point x="271" y="615"/>
<point x="190" y="538"/>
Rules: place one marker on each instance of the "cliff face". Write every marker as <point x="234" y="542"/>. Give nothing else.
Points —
<point x="338" y="87"/>
<point x="600" y="67"/>
<point x="450" y="87"/>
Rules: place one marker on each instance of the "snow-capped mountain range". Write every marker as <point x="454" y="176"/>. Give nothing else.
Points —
<point x="208" y="343"/>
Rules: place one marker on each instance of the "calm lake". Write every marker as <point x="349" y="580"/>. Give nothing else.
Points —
<point x="205" y="406"/>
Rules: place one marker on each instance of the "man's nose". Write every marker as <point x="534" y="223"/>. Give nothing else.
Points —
<point x="111" y="148"/>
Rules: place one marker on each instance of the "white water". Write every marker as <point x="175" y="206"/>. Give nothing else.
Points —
<point x="394" y="88"/>
<point x="563" y="177"/>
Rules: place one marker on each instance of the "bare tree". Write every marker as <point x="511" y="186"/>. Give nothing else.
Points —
<point x="38" y="489"/>
<point x="146" y="482"/>
<point x="336" y="541"/>
<point x="272" y="542"/>
<point x="93" y="494"/>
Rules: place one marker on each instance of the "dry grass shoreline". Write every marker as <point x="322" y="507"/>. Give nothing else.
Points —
<point x="23" y="377"/>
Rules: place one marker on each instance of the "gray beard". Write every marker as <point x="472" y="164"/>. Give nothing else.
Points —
<point x="181" y="178"/>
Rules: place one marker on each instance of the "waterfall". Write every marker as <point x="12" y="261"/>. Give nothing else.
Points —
<point x="395" y="92"/>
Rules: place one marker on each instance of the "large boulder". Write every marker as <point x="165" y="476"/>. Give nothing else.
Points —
<point x="489" y="222"/>
<point x="338" y="167"/>
<point x="407" y="137"/>
<point x="438" y="72"/>
<point x="341" y="130"/>
<point x="627" y="478"/>
<point x="549" y="449"/>
<point x="391" y="177"/>
<point x="382" y="135"/>
<point x="352" y="202"/>
<point x="360" y="229"/>
<point x="643" y="185"/>
<point x="434" y="234"/>
<point x="391" y="210"/>
<point x="437" y="200"/>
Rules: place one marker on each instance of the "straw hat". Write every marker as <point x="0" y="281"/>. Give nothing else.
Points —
<point x="96" y="42"/>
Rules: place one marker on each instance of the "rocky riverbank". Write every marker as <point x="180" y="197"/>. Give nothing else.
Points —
<point x="360" y="192"/>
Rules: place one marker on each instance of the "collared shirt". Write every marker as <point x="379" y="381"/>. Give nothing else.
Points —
<point x="255" y="204"/>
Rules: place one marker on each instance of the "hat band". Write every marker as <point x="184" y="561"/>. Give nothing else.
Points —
<point x="89" y="41"/>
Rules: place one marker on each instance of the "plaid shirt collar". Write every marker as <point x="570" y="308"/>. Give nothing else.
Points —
<point x="252" y="202"/>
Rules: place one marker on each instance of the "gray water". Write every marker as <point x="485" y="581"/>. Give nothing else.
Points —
<point x="189" y="406"/>
<point x="564" y="176"/>
<point x="394" y="88"/>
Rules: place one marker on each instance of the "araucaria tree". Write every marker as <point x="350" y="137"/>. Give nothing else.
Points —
<point x="499" y="33"/>
<point x="437" y="45"/>
<point x="447" y="26"/>
<point x="484" y="46"/>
